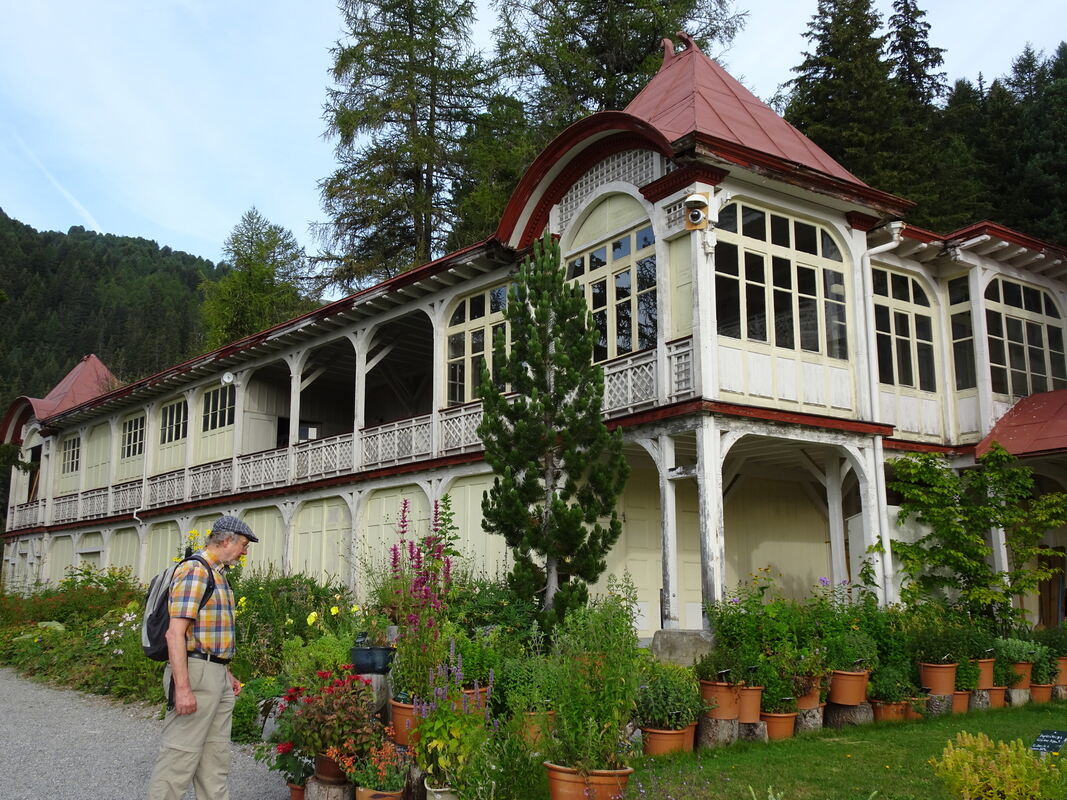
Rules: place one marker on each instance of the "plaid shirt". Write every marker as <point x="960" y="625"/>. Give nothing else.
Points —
<point x="212" y="628"/>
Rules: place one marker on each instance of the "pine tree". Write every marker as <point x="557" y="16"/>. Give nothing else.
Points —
<point x="559" y="471"/>
<point x="915" y="61"/>
<point x="407" y="84"/>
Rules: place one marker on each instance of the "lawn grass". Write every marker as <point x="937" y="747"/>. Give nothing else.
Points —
<point x="843" y="764"/>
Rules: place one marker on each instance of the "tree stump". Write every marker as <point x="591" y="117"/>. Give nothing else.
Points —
<point x="979" y="700"/>
<point x="1059" y="692"/>
<point x="838" y="716"/>
<point x="1017" y="697"/>
<point x="380" y="685"/>
<point x="716" y="732"/>
<point x="752" y="731"/>
<point x="315" y="789"/>
<point x="938" y="704"/>
<point x="810" y="719"/>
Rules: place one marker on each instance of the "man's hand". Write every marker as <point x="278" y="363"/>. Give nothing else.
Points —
<point x="184" y="702"/>
<point x="236" y="684"/>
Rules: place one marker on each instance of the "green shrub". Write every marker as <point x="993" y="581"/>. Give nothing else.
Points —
<point x="668" y="698"/>
<point x="1054" y="638"/>
<point x="890" y="683"/>
<point x="966" y="676"/>
<point x="248" y="710"/>
<point x="301" y="660"/>
<point x="976" y="768"/>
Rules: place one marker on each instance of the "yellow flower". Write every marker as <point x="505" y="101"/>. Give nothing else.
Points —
<point x="176" y="559"/>
<point x="288" y="620"/>
<point x="313" y="617"/>
<point x="334" y="611"/>
<point x="354" y="609"/>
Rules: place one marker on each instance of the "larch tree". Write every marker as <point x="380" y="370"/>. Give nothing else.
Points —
<point x="406" y="84"/>
<point x="558" y="470"/>
<point x="261" y="288"/>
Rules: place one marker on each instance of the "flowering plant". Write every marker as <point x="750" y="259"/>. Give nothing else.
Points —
<point x="335" y="714"/>
<point x="383" y="769"/>
<point x="452" y="728"/>
<point x="295" y="765"/>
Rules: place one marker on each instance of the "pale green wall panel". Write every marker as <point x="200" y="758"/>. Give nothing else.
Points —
<point x="320" y="531"/>
<point x="60" y="557"/>
<point x="376" y="531"/>
<point x="485" y="552"/>
<point x="124" y="548"/>
<point x="162" y="541"/>
<point x="268" y="525"/>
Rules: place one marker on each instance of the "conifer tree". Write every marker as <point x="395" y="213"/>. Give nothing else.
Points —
<point x="559" y="471"/>
<point x="915" y="60"/>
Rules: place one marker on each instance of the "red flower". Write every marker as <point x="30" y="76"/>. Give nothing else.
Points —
<point x="284" y="747"/>
<point x="324" y="674"/>
<point x="347" y="667"/>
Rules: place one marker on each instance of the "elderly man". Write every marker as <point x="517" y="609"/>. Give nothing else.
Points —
<point x="200" y="642"/>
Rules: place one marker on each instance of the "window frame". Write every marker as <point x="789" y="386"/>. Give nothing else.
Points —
<point x="219" y="408"/>
<point x="133" y="437"/>
<point x="1011" y="333"/>
<point x="474" y="318"/>
<point x="176" y="427"/>
<point x="71" y="455"/>
<point x="905" y="345"/>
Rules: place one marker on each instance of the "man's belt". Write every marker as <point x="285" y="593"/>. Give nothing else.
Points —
<point x="208" y="657"/>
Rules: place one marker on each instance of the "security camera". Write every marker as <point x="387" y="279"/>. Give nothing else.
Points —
<point x="696" y="214"/>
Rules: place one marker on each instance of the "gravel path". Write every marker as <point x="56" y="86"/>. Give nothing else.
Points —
<point x="58" y="743"/>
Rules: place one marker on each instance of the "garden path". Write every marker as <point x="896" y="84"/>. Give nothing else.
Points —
<point x="60" y="743"/>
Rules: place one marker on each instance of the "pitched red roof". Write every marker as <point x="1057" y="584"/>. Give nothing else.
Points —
<point x="90" y="378"/>
<point x="1035" y="424"/>
<point x="692" y="93"/>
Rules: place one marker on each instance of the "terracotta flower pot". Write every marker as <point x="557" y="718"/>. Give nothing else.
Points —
<point x="404" y="722"/>
<point x="996" y="696"/>
<point x="748" y="707"/>
<point x="960" y="702"/>
<point x="890" y="712"/>
<point x="1040" y="692"/>
<point x="779" y="726"/>
<point x="1023" y="670"/>
<point x="474" y="699"/>
<point x="1061" y="677"/>
<point x="938" y="678"/>
<point x="848" y="688"/>
<point x="659" y="742"/>
<point x="724" y="697"/>
<point x="328" y="771"/>
<point x="810" y="700"/>
<point x="911" y="711"/>
<point x="296" y="792"/>
<point x="985" y="673"/>
<point x="565" y="783"/>
<point x="376" y="794"/>
<point x="532" y="728"/>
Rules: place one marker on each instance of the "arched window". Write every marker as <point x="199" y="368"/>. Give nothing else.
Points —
<point x="1025" y="335"/>
<point x="904" y="332"/>
<point x="779" y="280"/>
<point x="473" y="326"/>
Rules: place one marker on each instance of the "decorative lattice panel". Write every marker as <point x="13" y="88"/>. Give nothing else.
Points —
<point x="631" y="166"/>
<point x="94" y="503"/>
<point x="127" y="497"/>
<point x="630" y="383"/>
<point x="675" y="214"/>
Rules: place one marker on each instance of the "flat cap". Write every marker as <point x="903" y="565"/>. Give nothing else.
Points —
<point x="230" y="523"/>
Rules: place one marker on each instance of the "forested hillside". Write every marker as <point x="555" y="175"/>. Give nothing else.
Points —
<point x="128" y="300"/>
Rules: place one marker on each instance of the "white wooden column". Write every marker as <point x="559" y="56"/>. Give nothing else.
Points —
<point x="869" y="499"/>
<point x="296" y="378"/>
<point x="709" y="501"/>
<point x="981" y="351"/>
<point x="835" y="515"/>
<point x="437" y="381"/>
<point x="668" y="505"/>
<point x="361" y="341"/>
<point x="114" y="429"/>
<point x="190" y="442"/>
<point x="83" y="457"/>
<point x="705" y="332"/>
<point x="240" y="391"/>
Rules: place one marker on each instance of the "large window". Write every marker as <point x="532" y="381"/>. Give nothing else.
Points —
<point x="71" y="454"/>
<point x="779" y="281"/>
<point x="133" y="437"/>
<point x="619" y="277"/>
<point x="219" y="407"/>
<point x="904" y="332"/>
<point x="1025" y="336"/>
<point x="959" y="301"/>
<point x="173" y="422"/>
<point x="473" y="326"/>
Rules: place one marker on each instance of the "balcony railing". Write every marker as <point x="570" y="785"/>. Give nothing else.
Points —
<point x="630" y="384"/>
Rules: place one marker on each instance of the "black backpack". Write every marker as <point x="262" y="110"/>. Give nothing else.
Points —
<point x="157" y="612"/>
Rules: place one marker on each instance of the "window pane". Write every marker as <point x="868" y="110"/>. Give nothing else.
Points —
<point x="901" y="288"/>
<point x="829" y="247"/>
<point x="476" y="374"/>
<point x="924" y="328"/>
<point x="622" y="329"/>
<point x="622" y="285"/>
<point x="805" y="280"/>
<point x="1015" y="329"/>
<point x="620" y="248"/>
<point x="808" y="314"/>
<point x="1013" y="294"/>
<point x="598" y="258"/>
<point x="959" y="291"/>
<point x="727" y="307"/>
<point x="455" y="345"/>
<point x="599" y="294"/>
<point x="499" y="332"/>
<point x="646" y="273"/>
<point x="600" y="322"/>
<point x="918" y="295"/>
<point x="1037" y="360"/>
<point x="728" y="218"/>
<point x="963" y="362"/>
<point x="885" y="358"/>
<point x="460" y="314"/>
<point x="783" y="272"/>
<point x="1016" y="356"/>
<point x="881" y="283"/>
<point x="1034" y="334"/>
<point x="646" y="319"/>
<point x="1058" y="365"/>
<point x="902" y="324"/>
<point x="994" y="323"/>
<point x="478" y="341"/>
<point x="881" y="319"/>
<point x="998" y="379"/>
<point x="806" y="241"/>
<point x="754" y="267"/>
<point x="833" y="285"/>
<point x="726" y="258"/>
<point x="836" y="331"/>
<point x="1032" y="299"/>
<point x="927" y="379"/>
<point x="1038" y="383"/>
<point x="576" y="267"/>
<point x="753" y="223"/>
<point x="1055" y="338"/>
<point x="756" y="311"/>
<point x="456" y="384"/>
<point x="477" y="306"/>
<point x="498" y="299"/>
<point x="1050" y="306"/>
<point x="996" y="351"/>
<point x="646" y="237"/>
<point x="783" y="320"/>
<point x="779" y="230"/>
<point x="1019" y="386"/>
<point x="992" y="291"/>
<point x="904" y="375"/>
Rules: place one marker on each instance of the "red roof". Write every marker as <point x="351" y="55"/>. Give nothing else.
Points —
<point x="1036" y="424"/>
<point x="89" y="379"/>
<point x="691" y="93"/>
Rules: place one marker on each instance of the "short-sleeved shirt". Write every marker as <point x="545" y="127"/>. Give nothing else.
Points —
<point x="212" y="628"/>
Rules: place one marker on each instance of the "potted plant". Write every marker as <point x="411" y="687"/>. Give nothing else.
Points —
<point x="523" y="689"/>
<point x="337" y="713"/>
<point x="778" y="705"/>
<point x="1055" y="639"/>
<point x="667" y="709"/>
<point x="890" y="690"/>
<point x="449" y="737"/>
<point x="283" y="756"/>
<point x="1043" y="675"/>
<point x="595" y="695"/>
<point x="1021" y="654"/>
<point x="372" y="653"/>
<point x="967" y="673"/>
<point x="718" y="674"/>
<point x="1004" y="677"/>
<point x="934" y="651"/>
<point x="809" y="675"/>
<point x="477" y="657"/>
<point x="381" y="773"/>
<point x="851" y="655"/>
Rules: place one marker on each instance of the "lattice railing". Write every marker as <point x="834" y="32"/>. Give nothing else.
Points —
<point x="260" y="470"/>
<point x="459" y="429"/>
<point x="211" y="480"/>
<point x="166" y="488"/>
<point x="320" y="458"/>
<point x="126" y="497"/>
<point x="65" y="508"/>
<point x="27" y="515"/>
<point x="630" y="383"/>
<point x="94" y="503"/>
<point x="396" y="442"/>
<point x="680" y="374"/>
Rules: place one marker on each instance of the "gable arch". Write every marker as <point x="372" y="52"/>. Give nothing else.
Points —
<point x="619" y="206"/>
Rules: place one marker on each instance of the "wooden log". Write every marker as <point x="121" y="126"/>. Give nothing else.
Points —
<point x="752" y="731"/>
<point x="838" y="716"/>
<point x="810" y="719"/>
<point x="938" y="704"/>
<point x="716" y="732"/>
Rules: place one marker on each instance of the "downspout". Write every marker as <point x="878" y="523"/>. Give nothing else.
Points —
<point x="896" y="230"/>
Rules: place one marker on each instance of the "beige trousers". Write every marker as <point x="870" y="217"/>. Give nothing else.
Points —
<point x="196" y="747"/>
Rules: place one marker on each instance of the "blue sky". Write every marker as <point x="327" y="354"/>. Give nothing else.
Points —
<point x="168" y="119"/>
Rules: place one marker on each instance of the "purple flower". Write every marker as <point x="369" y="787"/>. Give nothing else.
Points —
<point x="824" y="581"/>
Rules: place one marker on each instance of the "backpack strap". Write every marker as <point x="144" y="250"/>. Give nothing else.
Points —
<point x="210" y="580"/>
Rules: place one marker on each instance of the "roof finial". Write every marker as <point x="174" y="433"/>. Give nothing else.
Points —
<point x="668" y="49"/>
<point x="687" y="40"/>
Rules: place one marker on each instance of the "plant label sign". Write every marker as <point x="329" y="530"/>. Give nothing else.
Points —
<point x="1050" y="742"/>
